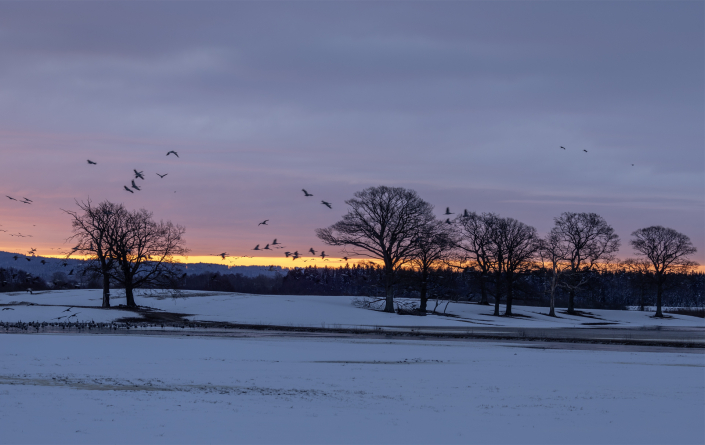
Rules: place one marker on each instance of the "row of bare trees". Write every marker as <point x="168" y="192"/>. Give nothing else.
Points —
<point x="125" y="247"/>
<point x="396" y="226"/>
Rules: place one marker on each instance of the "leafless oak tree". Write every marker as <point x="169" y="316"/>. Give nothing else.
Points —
<point x="519" y="243"/>
<point x="144" y="251"/>
<point x="554" y="255"/>
<point x="474" y="235"/>
<point x="92" y="227"/>
<point x="382" y="223"/>
<point x="432" y="245"/>
<point x="590" y="241"/>
<point x="667" y="250"/>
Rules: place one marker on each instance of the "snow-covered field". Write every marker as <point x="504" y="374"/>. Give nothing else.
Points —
<point x="151" y="389"/>
<point x="305" y="310"/>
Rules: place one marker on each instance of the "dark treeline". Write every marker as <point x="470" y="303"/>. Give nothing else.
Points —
<point x="616" y="289"/>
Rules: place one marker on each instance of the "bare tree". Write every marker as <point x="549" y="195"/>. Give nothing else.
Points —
<point x="431" y="246"/>
<point x="144" y="251"/>
<point x="554" y="254"/>
<point x="92" y="227"/>
<point x="381" y="223"/>
<point x="590" y="241"/>
<point x="474" y="235"/>
<point x="519" y="243"/>
<point x="667" y="250"/>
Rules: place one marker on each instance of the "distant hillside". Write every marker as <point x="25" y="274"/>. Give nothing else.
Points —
<point x="45" y="271"/>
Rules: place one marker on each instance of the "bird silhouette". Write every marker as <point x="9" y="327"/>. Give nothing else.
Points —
<point x="161" y="176"/>
<point x="263" y="223"/>
<point x="11" y="198"/>
<point x="466" y="214"/>
<point x="15" y="257"/>
<point x="126" y="188"/>
<point x="91" y="162"/>
<point x="172" y="151"/>
<point x="138" y="174"/>
<point x="563" y="147"/>
<point x="323" y="254"/>
<point x="312" y="251"/>
<point x="266" y="247"/>
<point x="327" y="204"/>
<point x="448" y="221"/>
<point x="448" y="212"/>
<point x="306" y="193"/>
<point x="286" y="254"/>
<point x="345" y="258"/>
<point x="27" y="199"/>
<point x="28" y="259"/>
<point x="223" y="255"/>
<point x="134" y="186"/>
<point x="43" y="262"/>
<point x="274" y="243"/>
<point x="585" y="151"/>
<point x="7" y="309"/>
<point x="256" y="247"/>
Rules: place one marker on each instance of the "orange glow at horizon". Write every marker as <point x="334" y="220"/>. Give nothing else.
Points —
<point x="256" y="261"/>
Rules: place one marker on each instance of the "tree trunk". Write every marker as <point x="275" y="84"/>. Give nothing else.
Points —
<point x="659" y="289"/>
<point x="497" y="295"/>
<point x="106" y="290"/>
<point x="129" y="296"/>
<point x="483" y="290"/>
<point x="389" y="303"/>
<point x="424" y="296"/>
<point x="571" y="302"/>
<point x="510" y="294"/>
<point x="552" y="310"/>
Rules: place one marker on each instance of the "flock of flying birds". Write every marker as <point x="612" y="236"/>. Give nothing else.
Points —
<point x="277" y="245"/>
<point x="139" y="175"/>
<point x="274" y="244"/>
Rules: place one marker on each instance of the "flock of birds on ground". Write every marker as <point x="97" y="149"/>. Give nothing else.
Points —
<point x="139" y="175"/>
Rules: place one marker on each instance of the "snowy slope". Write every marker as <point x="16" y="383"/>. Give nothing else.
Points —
<point x="307" y="310"/>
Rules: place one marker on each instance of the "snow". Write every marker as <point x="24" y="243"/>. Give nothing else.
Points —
<point x="311" y="311"/>
<point x="87" y="388"/>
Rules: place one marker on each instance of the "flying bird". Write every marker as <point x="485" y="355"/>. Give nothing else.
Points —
<point x="15" y="257"/>
<point x="312" y="251"/>
<point x="91" y="162"/>
<point x="161" y="176"/>
<point x="274" y="243"/>
<point x="448" y="221"/>
<point x="138" y="174"/>
<point x="43" y="262"/>
<point x="11" y="198"/>
<point x="466" y="214"/>
<point x="323" y="254"/>
<point x="327" y="204"/>
<point x="256" y="247"/>
<point x="448" y="212"/>
<point x="126" y="188"/>
<point x="563" y="147"/>
<point x="172" y="151"/>
<point x="585" y="151"/>
<point x="223" y="255"/>
<point x="345" y="258"/>
<point x="286" y="254"/>
<point x="306" y="193"/>
<point x="134" y="186"/>
<point x="27" y="199"/>
<point x="266" y="247"/>
<point x="263" y="223"/>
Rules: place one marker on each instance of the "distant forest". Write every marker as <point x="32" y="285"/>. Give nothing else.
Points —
<point x="615" y="289"/>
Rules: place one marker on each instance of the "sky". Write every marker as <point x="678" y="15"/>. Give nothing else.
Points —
<point x="468" y="103"/>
